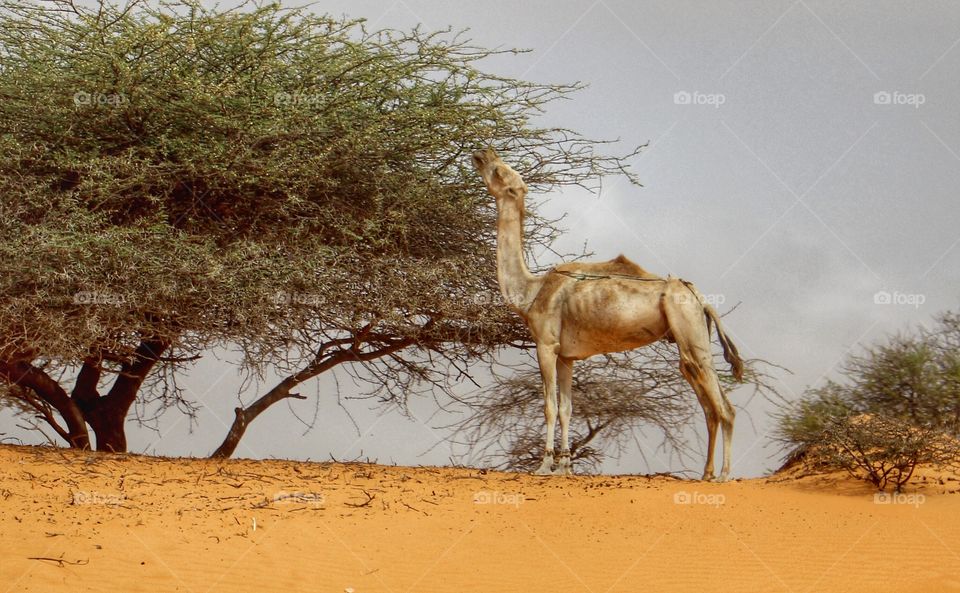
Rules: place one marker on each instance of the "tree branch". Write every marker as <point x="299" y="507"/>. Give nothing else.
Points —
<point x="26" y="375"/>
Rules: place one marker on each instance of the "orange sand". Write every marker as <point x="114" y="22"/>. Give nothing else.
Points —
<point x="132" y="523"/>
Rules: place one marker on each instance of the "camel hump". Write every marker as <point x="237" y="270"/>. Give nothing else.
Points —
<point x="622" y="265"/>
<point x="617" y="265"/>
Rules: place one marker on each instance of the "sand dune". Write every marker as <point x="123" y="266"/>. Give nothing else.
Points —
<point x="77" y="521"/>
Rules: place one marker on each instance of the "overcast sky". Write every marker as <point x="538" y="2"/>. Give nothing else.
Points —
<point x="804" y="157"/>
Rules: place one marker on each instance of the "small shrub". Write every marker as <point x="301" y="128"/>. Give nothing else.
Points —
<point x="882" y="451"/>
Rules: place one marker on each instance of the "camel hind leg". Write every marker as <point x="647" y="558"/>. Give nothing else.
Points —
<point x="688" y="326"/>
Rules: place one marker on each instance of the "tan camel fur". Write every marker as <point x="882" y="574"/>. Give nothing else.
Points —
<point x="577" y="310"/>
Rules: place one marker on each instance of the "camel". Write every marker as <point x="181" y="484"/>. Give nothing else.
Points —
<point x="577" y="310"/>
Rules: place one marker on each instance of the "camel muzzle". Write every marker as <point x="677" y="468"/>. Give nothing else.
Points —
<point x="482" y="158"/>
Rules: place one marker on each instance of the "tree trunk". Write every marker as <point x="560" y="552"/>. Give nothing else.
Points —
<point x="108" y="413"/>
<point x="243" y="417"/>
<point x="108" y="426"/>
<point x="105" y="414"/>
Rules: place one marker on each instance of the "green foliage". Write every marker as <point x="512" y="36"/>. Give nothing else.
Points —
<point x="916" y="378"/>
<point x="898" y="402"/>
<point x="263" y="177"/>
<point x="808" y="418"/>
<point x="184" y="164"/>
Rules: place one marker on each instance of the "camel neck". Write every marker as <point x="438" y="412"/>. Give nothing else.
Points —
<point x="517" y="284"/>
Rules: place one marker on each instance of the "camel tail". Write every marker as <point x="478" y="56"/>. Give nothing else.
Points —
<point x="730" y="353"/>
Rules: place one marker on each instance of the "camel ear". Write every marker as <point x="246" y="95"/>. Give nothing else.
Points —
<point x="496" y="177"/>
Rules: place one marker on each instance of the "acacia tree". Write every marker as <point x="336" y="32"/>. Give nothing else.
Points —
<point x="613" y="396"/>
<point x="177" y="177"/>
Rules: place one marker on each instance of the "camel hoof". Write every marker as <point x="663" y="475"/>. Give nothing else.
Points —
<point x="545" y="469"/>
<point x="708" y="478"/>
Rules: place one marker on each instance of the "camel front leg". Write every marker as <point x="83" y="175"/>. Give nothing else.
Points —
<point x="565" y="384"/>
<point x="547" y="357"/>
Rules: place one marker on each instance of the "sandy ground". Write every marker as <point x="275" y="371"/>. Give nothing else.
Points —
<point x="90" y="522"/>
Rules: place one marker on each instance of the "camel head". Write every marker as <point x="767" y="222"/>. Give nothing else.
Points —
<point x="501" y="180"/>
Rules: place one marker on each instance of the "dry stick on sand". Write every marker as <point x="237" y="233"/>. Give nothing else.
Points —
<point x="370" y="498"/>
<point x="414" y="508"/>
<point x="60" y="561"/>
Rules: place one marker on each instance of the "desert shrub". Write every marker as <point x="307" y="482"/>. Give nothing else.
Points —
<point x="881" y="450"/>
<point x="897" y="406"/>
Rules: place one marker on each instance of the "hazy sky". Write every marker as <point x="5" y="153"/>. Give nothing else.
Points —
<point x="804" y="156"/>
